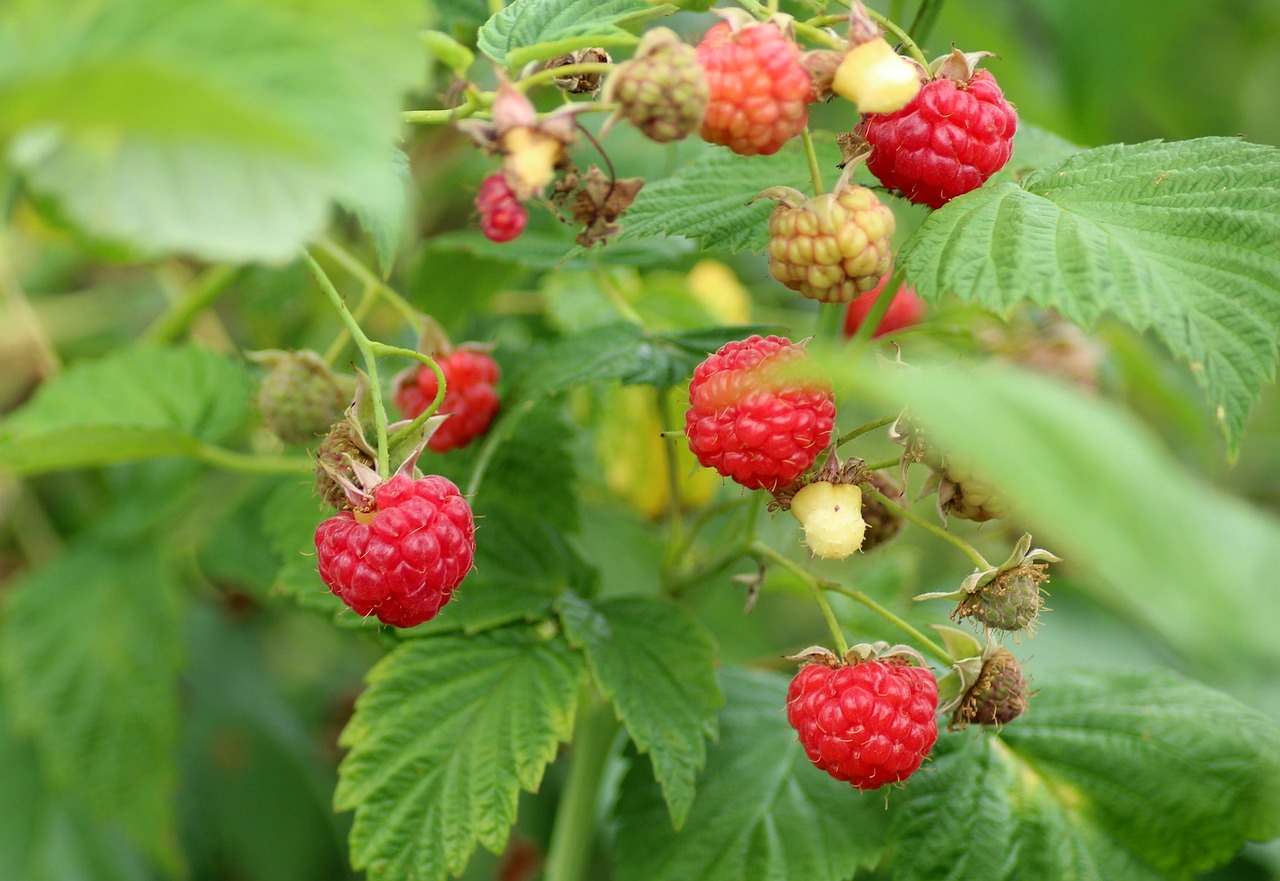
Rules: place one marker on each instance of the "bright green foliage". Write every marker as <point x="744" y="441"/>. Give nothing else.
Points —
<point x="1182" y="238"/>
<point x="1107" y="776"/>
<point x="90" y="647"/>
<point x="221" y="128"/>
<point x="136" y="403"/>
<point x="1095" y="486"/>
<point x="656" y="662"/>
<point x="529" y="30"/>
<point x="762" y="810"/>
<point x="447" y="733"/>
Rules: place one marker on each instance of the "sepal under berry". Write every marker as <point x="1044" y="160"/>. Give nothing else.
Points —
<point x="1008" y="597"/>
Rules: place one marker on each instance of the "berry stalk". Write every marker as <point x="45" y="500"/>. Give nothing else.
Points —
<point x="572" y="838"/>
<point x="866" y="330"/>
<point x="969" y="550"/>
<point x="858" y="596"/>
<point x="815" y="172"/>
<point x="762" y="551"/>
<point x="864" y="428"/>
<point x="368" y="297"/>
<point x="365" y="275"/>
<point x="207" y="288"/>
<point x="441" y="383"/>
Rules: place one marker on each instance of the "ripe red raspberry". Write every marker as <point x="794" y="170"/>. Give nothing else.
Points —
<point x="401" y="560"/>
<point x="469" y="396"/>
<point x="502" y="216"/>
<point x="956" y="133"/>
<point x="760" y="90"/>
<point x="905" y="310"/>
<point x="754" y="416"/>
<point x="868" y="724"/>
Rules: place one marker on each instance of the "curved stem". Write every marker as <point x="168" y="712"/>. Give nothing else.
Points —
<point x="864" y="428"/>
<point x="858" y="596"/>
<point x="252" y="463"/>
<point x="367" y="276"/>
<point x="492" y="441"/>
<point x="815" y="173"/>
<point x="441" y="387"/>
<point x="365" y="346"/>
<point x="474" y="101"/>
<point x="969" y="550"/>
<point x="207" y="288"/>
<point x="884" y="463"/>
<point x="762" y="551"/>
<point x="574" y="834"/>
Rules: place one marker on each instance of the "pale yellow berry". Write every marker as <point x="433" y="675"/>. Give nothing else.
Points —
<point x="876" y="78"/>
<point x="831" y="515"/>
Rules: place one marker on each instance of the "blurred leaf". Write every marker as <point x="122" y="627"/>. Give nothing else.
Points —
<point x="91" y="649"/>
<point x="1107" y="776"/>
<point x="214" y="127"/>
<point x="1182" y="238"/>
<point x="539" y="250"/>
<point x="517" y="34"/>
<point x="384" y="211"/>
<point x="135" y="403"/>
<point x="657" y="664"/>
<point x="1180" y="556"/>
<point x="448" y="732"/>
<point x="762" y="810"/>
<point x="707" y="198"/>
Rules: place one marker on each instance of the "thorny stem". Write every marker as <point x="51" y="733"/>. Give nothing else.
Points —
<point x="367" y="276"/>
<point x="368" y="297"/>
<point x="934" y="649"/>
<point x="762" y="551"/>
<point x="364" y="344"/>
<point x="969" y="550"/>
<point x="207" y="288"/>
<point x="550" y="74"/>
<point x="865" y="428"/>
<point x="815" y="172"/>
<point x="406" y="431"/>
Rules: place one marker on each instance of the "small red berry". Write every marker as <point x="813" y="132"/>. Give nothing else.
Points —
<point x="868" y="724"/>
<point x="502" y="216"/>
<point x="402" y="560"/>
<point x="956" y="133"/>
<point x="469" y="396"/>
<point x="760" y="90"/>
<point x="906" y="310"/>
<point x="755" y="416"/>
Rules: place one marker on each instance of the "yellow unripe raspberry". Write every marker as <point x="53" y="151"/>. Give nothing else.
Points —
<point x="831" y="515"/>
<point x="876" y="78"/>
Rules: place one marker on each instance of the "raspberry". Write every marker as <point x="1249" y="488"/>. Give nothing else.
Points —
<point x="502" y="216"/>
<point x="869" y="724"/>
<point x="401" y="560"/>
<point x="469" y="396"/>
<point x="956" y="133"/>
<point x="300" y="398"/>
<point x="1010" y="601"/>
<point x="661" y="90"/>
<point x="759" y="89"/>
<point x="998" y="697"/>
<point x="831" y="247"/>
<point x="831" y="514"/>
<point x="962" y="494"/>
<point x="906" y="310"/>
<point x="754" y="416"/>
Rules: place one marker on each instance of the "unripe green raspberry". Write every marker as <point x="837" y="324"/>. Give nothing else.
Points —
<point x="300" y="398"/>
<point x="998" y="697"/>
<point x="962" y="495"/>
<point x="831" y="515"/>
<point x="1011" y="601"/>
<point x="662" y="90"/>
<point x="831" y="247"/>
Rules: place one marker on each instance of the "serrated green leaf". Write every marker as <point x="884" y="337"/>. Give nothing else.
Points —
<point x="1107" y="776"/>
<point x="707" y="198"/>
<point x="135" y="403"/>
<point x="656" y="663"/>
<point x="528" y="30"/>
<point x="762" y="810"/>
<point x="1097" y="488"/>
<point x="1033" y="148"/>
<point x="90" y="652"/>
<point x="448" y="732"/>
<point x="1182" y="238"/>
<point x="221" y="128"/>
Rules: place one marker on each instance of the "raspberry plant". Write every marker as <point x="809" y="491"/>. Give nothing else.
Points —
<point x="543" y="554"/>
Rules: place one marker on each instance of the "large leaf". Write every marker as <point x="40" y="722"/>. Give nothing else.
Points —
<point x="656" y="662"/>
<point x="1107" y="776"/>
<point x="762" y="810"/>
<point x="528" y="30"/>
<point x="135" y="403"/>
<point x="1175" y="553"/>
<point x="217" y="127"/>
<point x="448" y="732"/>
<point x="1182" y="238"/>
<point x="707" y="198"/>
<point x="91" y="649"/>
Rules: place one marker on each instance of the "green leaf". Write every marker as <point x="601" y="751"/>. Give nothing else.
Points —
<point x="657" y="663"/>
<point x="540" y="250"/>
<point x="529" y="30"/>
<point x="448" y="732"/>
<point x="1107" y="776"/>
<point x="1182" y="238"/>
<point x="91" y="649"/>
<point x="707" y="198"/>
<point x="1176" y="554"/>
<point x="384" y="211"/>
<point x="215" y="127"/>
<point x="135" y="403"/>
<point x="762" y="810"/>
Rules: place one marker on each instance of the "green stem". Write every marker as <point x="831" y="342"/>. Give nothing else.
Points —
<point x="178" y="319"/>
<point x="367" y="276"/>
<point x="574" y="835"/>
<point x="550" y="74"/>
<point x="830" y="323"/>
<point x="368" y="297"/>
<point x="494" y="439"/>
<point x="871" y="321"/>
<point x="365" y="345"/>
<point x="884" y="463"/>
<point x="675" y="502"/>
<point x="762" y="551"/>
<point x="969" y="550"/>
<point x="926" y="15"/>
<point x="441" y="382"/>
<point x="865" y="428"/>
<point x="901" y="36"/>
<point x="252" y="463"/>
<point x="815" y="173"/>
<point x="934" y="649"/>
